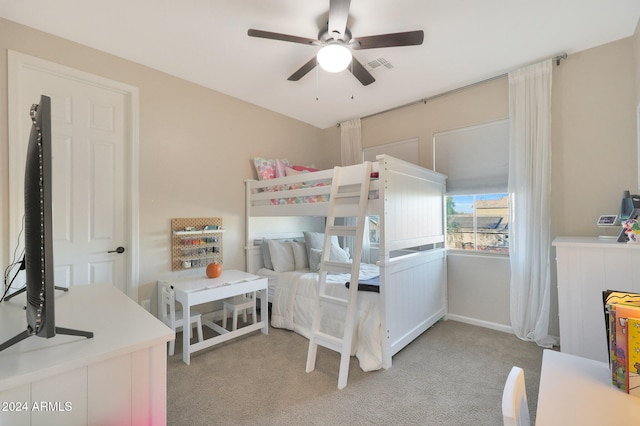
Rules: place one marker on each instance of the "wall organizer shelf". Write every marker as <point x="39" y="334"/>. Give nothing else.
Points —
<point x="196" y="242"/>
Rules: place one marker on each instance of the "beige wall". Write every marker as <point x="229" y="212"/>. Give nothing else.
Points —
<point x="636" y="54"/>
<point x="195" y="147"/>
<point x="593" y="136"/>
<point x="636" y="51"/>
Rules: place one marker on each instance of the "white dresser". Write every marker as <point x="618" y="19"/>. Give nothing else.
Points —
<point x="586" y="267"/>
<point x="119" y="377"/>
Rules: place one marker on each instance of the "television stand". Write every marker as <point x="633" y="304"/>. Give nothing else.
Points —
<point x="59" y="330"/>
<point x="23" y="289"/>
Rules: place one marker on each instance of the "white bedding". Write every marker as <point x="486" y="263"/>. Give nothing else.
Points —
<point x="272" y="280"/>
<point x="294" y="301"/>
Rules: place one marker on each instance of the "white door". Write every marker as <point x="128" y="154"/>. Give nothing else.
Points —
<point x="91" y="135"/>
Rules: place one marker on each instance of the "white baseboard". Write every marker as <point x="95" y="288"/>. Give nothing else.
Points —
<point x="486" y="324"/>
<point x="491" y="325"/>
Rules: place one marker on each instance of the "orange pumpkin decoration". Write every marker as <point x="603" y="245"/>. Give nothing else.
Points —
<point x="214" y="270"/>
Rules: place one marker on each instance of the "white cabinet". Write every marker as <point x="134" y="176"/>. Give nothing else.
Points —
<point x="586" y="267"/>
<point x="118" y="377"/>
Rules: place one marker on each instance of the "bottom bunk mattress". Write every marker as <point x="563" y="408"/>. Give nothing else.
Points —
<point x="293" y="305"/>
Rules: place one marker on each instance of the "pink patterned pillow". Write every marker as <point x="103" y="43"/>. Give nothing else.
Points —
<point x="268" y="168"/>
<point x="265" y="167"/>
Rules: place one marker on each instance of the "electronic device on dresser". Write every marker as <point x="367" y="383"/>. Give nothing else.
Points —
<point x="38" y="235"/>
<point x="628" y="204"/>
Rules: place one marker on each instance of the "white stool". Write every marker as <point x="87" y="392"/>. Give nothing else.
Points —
<point x="236" y="304"/>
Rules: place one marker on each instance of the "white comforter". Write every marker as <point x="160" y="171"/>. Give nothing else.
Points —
<point x="294" y="302"/>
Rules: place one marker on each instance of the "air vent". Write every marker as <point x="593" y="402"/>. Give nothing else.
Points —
<point x="377" y="63"/>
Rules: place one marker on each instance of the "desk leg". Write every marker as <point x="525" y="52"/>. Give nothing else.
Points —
<point x="264" y="311"/>
<point x="186" y="329"/>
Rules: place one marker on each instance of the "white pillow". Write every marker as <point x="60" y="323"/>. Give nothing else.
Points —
<point x="315" y="240"/>
<point x="282" y="256"/>
<point x="314" y="260"/>
<point x="300" y="258"/>
<point x="266" y="254"/>
<point x="336" y="255"/>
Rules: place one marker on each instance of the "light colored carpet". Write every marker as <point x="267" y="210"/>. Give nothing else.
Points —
<point x="453" y="374"/>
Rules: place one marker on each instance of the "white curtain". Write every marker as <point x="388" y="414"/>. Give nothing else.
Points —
<point x="529" y="188"/>
<point x="351" y="142"/>
<point x="351" y="153"/>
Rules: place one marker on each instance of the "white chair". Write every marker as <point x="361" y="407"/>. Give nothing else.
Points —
<point x="173" y="318"/>
<point x="515" y="410"/>
<point x="238" y="304"/>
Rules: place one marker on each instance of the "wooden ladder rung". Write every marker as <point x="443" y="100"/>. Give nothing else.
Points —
<point x="334" y="300"/>
<point x="342" y="267"/>
<point x="347" y="195"/>
<point x="342" y="231"/>
<point x="329" y="341"/>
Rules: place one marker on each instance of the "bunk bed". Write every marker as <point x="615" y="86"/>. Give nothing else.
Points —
<point x="408" y="265"/>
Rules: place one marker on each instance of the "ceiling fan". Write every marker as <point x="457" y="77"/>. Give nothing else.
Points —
<point x="337" y="43"/>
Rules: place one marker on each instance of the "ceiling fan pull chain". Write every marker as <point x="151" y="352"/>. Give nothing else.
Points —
<point x="352" y="82"/>
<point x="317" y="85"/>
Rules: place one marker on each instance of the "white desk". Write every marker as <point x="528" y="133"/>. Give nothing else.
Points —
<point x="117" y="377"/>
<point x="192" y="291"/>
<point x="578" y="391"/>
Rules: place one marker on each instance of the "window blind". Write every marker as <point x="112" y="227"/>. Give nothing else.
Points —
<point x="475" y="159"/>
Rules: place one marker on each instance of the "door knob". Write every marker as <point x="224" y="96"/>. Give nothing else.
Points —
<point x="119" y="250"/>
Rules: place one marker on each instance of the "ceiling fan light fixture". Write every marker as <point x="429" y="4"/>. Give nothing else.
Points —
<point x="334" y="57"/>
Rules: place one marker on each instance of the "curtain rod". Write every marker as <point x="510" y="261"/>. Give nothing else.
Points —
<point x="556" y="59"/>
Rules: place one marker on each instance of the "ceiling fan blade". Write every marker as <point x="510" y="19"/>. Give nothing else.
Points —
<point x="360" y="72"/>
<point x="303" y="70"/>
<point x="338" y="15"/>
<point x="282" y="37"/>
<point x="409" y="38"/>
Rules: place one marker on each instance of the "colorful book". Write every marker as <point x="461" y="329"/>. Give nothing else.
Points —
<point x="621" y="349"/>
<point x="633" y="350"/>
<point x="623" y="314"/>
<point x="611" y="330"/>
<point x="612" y="297"/>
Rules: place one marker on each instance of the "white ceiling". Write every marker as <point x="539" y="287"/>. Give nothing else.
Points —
<point x="206" y="42"/>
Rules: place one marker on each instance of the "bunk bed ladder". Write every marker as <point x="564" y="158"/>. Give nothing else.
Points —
<point x="348" y="199"/>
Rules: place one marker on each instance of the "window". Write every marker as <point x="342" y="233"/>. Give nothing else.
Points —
<point x="476" y="161"/>
<point x="478" y="222"/>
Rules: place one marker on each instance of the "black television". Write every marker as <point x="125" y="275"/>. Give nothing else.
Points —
<point x="38" y="232"/>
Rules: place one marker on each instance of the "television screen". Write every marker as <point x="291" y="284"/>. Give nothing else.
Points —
<point x="38" y="231"/>
<point x="38" y="238"/>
